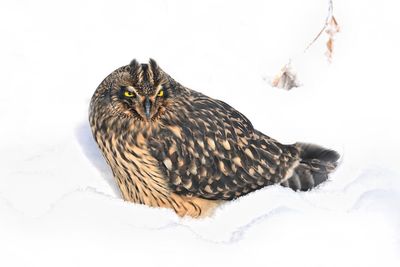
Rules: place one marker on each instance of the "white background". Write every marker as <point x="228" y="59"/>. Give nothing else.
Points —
<point x="58" y="203"/>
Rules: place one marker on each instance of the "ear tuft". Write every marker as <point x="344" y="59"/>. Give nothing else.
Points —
<point x="134" y="64"/>
<point x="153" y="64"/>
<point x="135" y="67"/>
<point x="155" y="69"/>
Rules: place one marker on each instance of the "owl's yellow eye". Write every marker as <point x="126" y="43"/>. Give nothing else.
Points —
<point x="129" y="93"/>
<point x="160" y="93"/>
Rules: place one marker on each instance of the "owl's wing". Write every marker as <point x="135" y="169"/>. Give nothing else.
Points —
<point x="210" y="150"/>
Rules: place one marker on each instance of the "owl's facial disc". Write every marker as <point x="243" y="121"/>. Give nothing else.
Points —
<point x="146" y="104"/>
<point x="142" y="91"/>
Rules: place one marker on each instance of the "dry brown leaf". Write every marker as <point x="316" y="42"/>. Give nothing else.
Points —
<point x="331" y="29"/>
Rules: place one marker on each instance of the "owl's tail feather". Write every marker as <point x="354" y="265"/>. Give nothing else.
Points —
<point x="315" y="165"/>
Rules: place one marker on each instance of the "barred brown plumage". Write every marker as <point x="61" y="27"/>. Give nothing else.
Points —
<point x="170" y="146"/>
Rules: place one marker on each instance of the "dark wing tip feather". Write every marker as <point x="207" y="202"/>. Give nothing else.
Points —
<point x="311" y="151"/>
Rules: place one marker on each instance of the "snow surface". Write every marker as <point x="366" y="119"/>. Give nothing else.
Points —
<point x="58" y="203"/>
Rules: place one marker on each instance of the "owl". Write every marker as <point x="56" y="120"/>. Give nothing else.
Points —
<point x="173" y="147"/>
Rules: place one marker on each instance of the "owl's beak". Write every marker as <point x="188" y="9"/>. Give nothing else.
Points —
<point x="147" y="107"/>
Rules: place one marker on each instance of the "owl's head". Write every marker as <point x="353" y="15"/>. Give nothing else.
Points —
<point x="138" y="91"/>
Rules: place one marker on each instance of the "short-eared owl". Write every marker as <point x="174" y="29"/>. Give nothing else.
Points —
<point x="170" y="146"/>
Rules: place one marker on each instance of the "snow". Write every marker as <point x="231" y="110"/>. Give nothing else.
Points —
<point x="59" y="205"/>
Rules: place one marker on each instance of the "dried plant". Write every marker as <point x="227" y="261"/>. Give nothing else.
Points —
<point x="331" y="27"/>
<point x="286" y="78"/>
